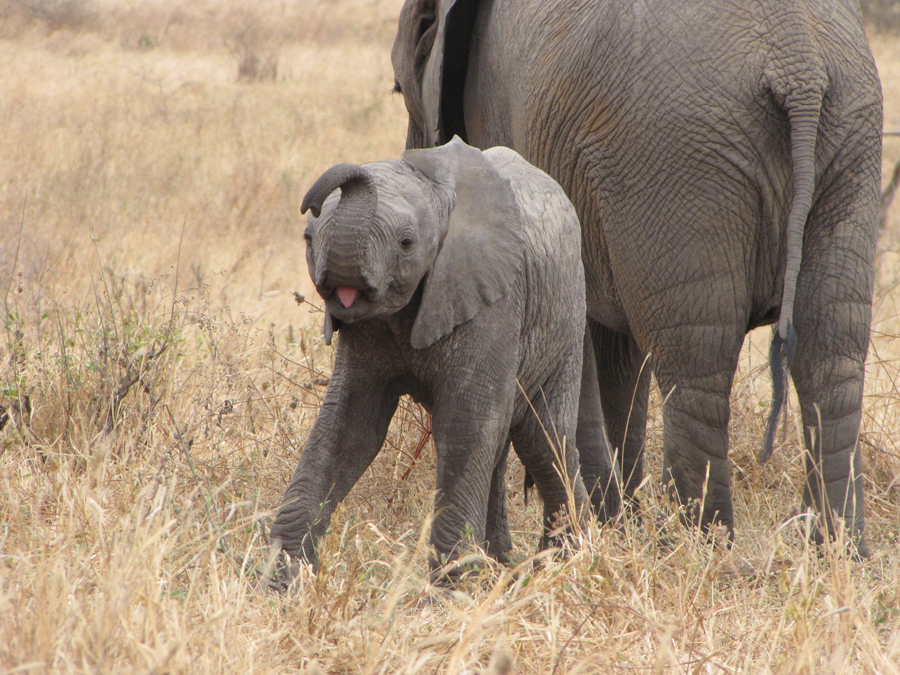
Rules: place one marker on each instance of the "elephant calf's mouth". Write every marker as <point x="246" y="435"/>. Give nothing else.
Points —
<point x="347" y="295"/>
<point x="350" y="304"/>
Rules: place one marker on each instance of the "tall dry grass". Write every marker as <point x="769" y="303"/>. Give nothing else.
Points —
<point x="158" y="380"/>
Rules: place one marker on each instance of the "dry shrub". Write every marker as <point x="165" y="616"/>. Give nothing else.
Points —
<point x="252" y="67"/>
<point x="73" y="15"/>
<point x="158" y="382"/>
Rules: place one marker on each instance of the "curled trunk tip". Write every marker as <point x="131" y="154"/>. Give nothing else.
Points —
<point x="338" y="176"/>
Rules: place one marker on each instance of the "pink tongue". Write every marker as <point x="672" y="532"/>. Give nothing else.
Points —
<point x="347" y="295"/>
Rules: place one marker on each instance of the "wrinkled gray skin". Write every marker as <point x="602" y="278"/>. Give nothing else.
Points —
<point x="724" y="162"/>
<point x="469" y="297"/>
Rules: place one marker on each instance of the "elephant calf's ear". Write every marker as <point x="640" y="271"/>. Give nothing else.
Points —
<point x="483" y="249"/>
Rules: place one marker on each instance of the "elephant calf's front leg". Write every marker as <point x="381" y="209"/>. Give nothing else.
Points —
<point x="347" y="436"/>
<point x="468" y="477"/>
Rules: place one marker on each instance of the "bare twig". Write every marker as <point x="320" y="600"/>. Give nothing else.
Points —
<point x="133" y="375"/>
<point x="177" y="266"/>
<point x="300" y="299"/>
<point x="426" y="434"/>
<point x="15" y="264"/>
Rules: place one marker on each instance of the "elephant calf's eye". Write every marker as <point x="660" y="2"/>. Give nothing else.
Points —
<point x="406" y="243"/>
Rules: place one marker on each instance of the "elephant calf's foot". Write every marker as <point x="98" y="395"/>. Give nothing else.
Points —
<point x="282" y="570"/>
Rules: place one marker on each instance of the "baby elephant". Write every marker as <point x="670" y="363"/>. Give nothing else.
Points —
<point x="454" y="276"/>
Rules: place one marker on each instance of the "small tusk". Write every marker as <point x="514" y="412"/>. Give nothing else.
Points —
<point x="328" y="328"/>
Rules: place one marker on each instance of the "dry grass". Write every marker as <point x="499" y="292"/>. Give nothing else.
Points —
<point x="158" y="381"/>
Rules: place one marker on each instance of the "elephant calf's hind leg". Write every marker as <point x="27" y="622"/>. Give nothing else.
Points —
<point x="544" y="442"/>
<point x="498" y="541"/>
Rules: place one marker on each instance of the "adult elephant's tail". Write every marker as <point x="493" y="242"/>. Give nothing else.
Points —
<point x="800" y="91"/>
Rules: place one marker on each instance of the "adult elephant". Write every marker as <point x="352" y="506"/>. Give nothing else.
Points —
<point x="724" y="160"/>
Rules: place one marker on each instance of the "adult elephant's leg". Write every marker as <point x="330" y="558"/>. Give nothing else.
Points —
<point x="624" y="380"/>
<point x="346" y="437"/>
<point x="832" y="317"/>
<point x="695" y="366"/>
<point x="599" y="468"/>
<point x="498" y="540"/>
<point x="543" y="441"/>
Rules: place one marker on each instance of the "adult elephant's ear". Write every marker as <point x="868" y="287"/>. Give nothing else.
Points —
<point x="484" y="247"/>
<point x="432" y="45"/>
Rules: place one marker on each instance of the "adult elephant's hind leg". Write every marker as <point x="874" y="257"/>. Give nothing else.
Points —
<point x="624" y="382"/>
<point x="599" y="468"/>
<point x="695" y="367"/>
<point x="832" y="316"/>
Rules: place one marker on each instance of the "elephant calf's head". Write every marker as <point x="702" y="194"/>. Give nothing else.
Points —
<point x="376" y="231"/>
<point x="372" y="235"/>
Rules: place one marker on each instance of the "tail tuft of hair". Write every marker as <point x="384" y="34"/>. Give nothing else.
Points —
<point x="781" y="356"/>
